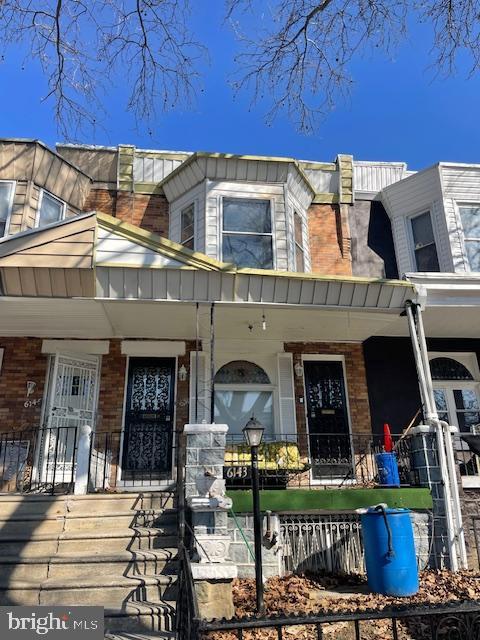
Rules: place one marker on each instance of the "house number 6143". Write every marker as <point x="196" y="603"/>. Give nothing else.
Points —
<point x="32" y="403"/>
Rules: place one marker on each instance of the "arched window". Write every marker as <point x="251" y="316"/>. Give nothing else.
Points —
<point x="449" y="369"/>
<point x="456" y="390"/>
<point x="241" y="372"/>
<point x="243" y="390"/>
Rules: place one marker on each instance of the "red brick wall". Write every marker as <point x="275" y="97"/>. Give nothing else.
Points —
<point x="356" y="381"/>
<point x="329" y="239"/>
<point x="22" y="361"/>
<point x="149" y="212"/>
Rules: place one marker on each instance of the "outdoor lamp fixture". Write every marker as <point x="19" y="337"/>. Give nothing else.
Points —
<point x="182" y="373"/>
<point x="253" y="433"/>
<point x="298" y="370"/>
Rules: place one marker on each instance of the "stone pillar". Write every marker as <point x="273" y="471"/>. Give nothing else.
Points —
<point x="424" y="456"/>
<point x="205" y="492"/>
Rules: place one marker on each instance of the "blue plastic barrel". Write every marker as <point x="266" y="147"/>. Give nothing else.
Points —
<point x="390" y="558"/>
<point x="387" y="466"/>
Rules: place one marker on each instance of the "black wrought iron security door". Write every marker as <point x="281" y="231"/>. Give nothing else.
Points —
<point x="148" y="438"/>
<point x="327" y="417"/>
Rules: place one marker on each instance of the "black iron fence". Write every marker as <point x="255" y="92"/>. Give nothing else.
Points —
<point x="297" y="460"/>
<point x="45" y="460"/>
<point x="456" y="621"/>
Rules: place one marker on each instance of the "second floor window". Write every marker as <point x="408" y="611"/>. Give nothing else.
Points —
<point x="247" y="233"/>
<point x="188" y="227"/>
<point x="470" y="216"/>
<point x="51" y="209"/>
<point x="6" y="192"/>
<point x="424" y="247"/>
<point x="299" y="248"/>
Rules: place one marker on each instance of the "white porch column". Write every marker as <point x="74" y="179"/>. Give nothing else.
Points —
<point x="83" y="460"/>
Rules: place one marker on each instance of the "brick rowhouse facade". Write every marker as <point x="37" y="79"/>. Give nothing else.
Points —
<point x="329" y="237"/>
<point x="23" y="361"/>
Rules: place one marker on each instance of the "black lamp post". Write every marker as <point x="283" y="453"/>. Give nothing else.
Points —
<point x="253" y="432"/>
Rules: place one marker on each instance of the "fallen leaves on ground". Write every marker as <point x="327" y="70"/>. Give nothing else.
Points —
<point x="308" y="594"/>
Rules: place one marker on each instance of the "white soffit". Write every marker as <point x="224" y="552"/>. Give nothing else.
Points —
<point x="154" y="348"/>
<point x="93" y="347"/>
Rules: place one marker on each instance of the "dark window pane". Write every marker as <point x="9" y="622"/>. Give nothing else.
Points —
<point x="189" y="243"/>
<point x="51" y="210"/>
<point x="246" y="215"/>
<point x="2" y="228"/>
<point x="470" y="221"/>
<point x="422" y="230"/>
<point x="465" y="399"/>
<point x="298" y="227"/>
<point x="449" y="369"/>
<point x="427" y="259"/>
<point x="299" y="259"/>
<point x="188" y="223"/>
<point x="473" y="253"/>
<point x="440" y="399"/>
<point x="248" y="251"/>
<point x="241" y="372"/>
<point x="468" y="420"/>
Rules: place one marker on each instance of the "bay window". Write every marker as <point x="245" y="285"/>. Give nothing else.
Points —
<point x="6" y="195"/>
<point x="424" y="247"/>
<point x="51" y="209"/>
<point x="470" y="218"/>
<point x="247" y="239"/>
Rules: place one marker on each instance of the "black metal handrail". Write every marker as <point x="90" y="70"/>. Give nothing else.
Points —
<point x="187" y="611"/>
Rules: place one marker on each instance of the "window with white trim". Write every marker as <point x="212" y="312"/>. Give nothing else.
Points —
<point x="247" y="233"/>
<point x="6" y="199"/>
<point x="187" y="223"/>
<point x="424" y="247"/>
<point x="51" y="209"/>
<point x="243" y="390"/>
<point x="298" y="237"/>
<point x="470" y="218"/>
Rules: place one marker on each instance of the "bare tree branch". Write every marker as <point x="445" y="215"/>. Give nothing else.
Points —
<point x="81" y="45"/>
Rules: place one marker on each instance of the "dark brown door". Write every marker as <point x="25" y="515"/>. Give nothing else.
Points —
<point x="148" y="437"/>
<point x="327" y="417"/>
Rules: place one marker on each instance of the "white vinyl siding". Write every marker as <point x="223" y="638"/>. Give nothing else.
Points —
<point x="286" y="394"/>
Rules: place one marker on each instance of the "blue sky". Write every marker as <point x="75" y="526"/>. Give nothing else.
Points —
<point x="397" y="109"/>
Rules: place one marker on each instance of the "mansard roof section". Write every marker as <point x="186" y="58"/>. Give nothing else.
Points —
<point x="230" y="167"/>
<point x="32" y="161"/>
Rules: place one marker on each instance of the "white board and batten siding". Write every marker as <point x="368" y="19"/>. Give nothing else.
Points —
<point x="266" y="191"/>
<point x="155" y="168"/>
<point x="197" y="197"/>
<point x="403" y="200"/>
<point x="372" y="177"/>
<point x="461" y="185"/>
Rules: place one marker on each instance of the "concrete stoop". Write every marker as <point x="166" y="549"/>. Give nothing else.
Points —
<point x="114" y="550"/>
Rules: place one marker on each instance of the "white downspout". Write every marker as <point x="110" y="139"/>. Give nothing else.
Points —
<point x="426" y="391"/>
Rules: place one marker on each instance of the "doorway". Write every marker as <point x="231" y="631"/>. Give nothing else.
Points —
<point x="149" y="419"/>
<point x="327" y="420"/>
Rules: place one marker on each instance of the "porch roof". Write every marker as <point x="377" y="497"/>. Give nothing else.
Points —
<point x="85" y="277"/>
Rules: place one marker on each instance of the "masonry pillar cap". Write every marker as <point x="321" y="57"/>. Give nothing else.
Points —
<point x="205" y="428"/>
<point x="422" y="428"/>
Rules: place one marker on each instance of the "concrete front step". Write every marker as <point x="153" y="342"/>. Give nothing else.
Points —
<point x="140" y="617"/>
<point x="100" y="502"/>
<point x="140" y="538"/>
<point x="72" y="521"/>
<point x="95" y="590"/>
<point x="80" y="565"/>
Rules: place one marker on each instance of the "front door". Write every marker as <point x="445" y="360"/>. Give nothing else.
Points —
<point x="149" y="413"/>
<point x="71" y="402"/>
<point x="327" y="419"/>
